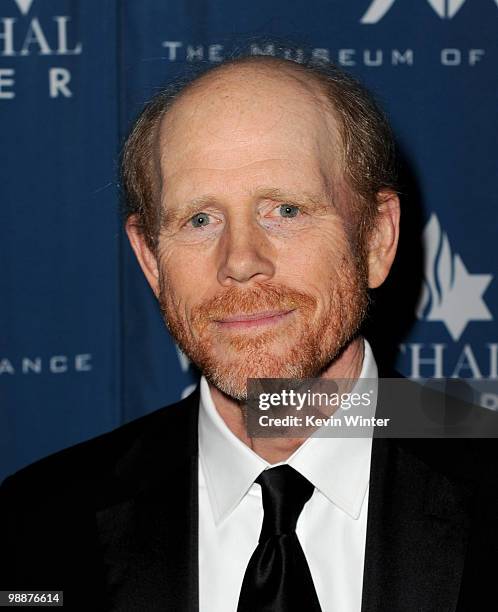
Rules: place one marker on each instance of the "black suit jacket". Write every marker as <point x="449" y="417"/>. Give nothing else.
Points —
<point x="113" y="522"/>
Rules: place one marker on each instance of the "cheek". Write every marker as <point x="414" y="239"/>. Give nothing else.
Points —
<point x="317" y="261"/>
<point x="186" y="276"/>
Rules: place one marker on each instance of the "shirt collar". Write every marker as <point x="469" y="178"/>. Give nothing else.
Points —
<point x="338" y="467"/>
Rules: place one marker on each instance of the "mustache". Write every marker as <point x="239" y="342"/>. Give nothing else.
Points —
<point x="256" y="298"/>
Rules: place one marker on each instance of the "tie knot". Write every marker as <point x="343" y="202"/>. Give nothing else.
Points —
<point x="285" y="491"/>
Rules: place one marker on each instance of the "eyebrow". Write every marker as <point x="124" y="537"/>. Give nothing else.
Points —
<point x="187" y="210"/>
<point x="273" y="193"/>
<point x="260" y="193"/>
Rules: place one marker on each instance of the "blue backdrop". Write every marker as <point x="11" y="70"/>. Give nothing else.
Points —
<point x="82" y="345"/>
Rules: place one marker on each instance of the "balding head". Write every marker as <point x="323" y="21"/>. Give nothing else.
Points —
<point x="353" y="137"/>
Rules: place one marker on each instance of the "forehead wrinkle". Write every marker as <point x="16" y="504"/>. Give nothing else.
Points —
<point x="237" y="167"/>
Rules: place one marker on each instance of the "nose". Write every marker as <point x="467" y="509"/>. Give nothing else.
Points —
<point x="245" y="254"/>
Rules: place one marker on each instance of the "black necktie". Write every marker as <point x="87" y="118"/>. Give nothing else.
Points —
<point x="278" y="578"/>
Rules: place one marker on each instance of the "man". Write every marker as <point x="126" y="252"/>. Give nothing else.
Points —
<point x="262" y="208"/>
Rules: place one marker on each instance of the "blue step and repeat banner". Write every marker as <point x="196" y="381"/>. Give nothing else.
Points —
<point x="82" y="345"/>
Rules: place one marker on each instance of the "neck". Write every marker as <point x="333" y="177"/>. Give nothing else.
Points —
<point x="346" y="366"/>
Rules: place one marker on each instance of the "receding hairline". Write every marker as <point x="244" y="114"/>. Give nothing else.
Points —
<point x="311" y="83"/>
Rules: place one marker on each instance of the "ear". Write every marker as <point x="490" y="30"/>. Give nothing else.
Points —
<point x="383" y="240"/>
<point x="146" y="258"/>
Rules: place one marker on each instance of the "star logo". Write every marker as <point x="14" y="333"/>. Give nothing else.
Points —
<point x="450" y="293"/>
<point x="24" y="5"/>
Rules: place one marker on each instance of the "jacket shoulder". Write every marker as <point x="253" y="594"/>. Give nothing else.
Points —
<point x="96" y="459"/>
<point x="470" y="455"/>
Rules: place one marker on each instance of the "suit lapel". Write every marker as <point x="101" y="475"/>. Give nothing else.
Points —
<point x="417" y="529"/>
<point x="149" y="533"/>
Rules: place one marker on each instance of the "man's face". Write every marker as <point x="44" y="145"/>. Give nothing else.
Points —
<point x="257" y="277"/>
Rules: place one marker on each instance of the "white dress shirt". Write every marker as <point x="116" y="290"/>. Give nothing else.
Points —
<point x="331" y="527"/>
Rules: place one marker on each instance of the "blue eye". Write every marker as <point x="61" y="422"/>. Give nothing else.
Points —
<point x="288" y="210"/>
<point x="200" y="219"/>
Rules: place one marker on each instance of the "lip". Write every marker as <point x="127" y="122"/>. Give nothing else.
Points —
<point x="241" y="321"/>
